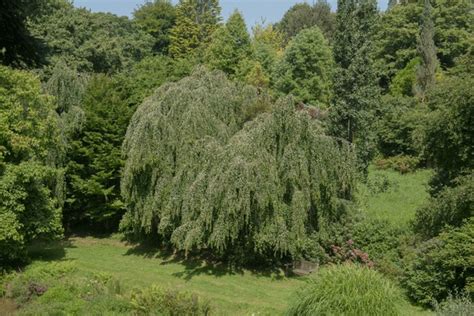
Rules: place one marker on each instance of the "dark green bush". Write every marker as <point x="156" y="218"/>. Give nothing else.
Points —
<point x="447" y="135"/>
<point x="442" y="265"/>
<point x="449" y="208"/>
<point x="346" y="290"/>
<point x="400" y="118"/>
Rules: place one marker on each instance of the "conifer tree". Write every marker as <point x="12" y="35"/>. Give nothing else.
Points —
<point x="196" y="21"/>
<point x="306" y="68"/>
<point x="355" y="83"/>
<point x="426" y="72"/>
<point x="229" y="46"/>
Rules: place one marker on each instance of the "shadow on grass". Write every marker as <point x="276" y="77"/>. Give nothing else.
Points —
<point x="203" y="263"/>
<point x="49" y="251"/>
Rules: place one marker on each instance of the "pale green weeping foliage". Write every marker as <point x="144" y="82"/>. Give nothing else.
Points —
<point x="200" y="177"/>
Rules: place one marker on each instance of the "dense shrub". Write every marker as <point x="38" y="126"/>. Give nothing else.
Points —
<point x="402" y="164"/>
<point x="201" y="178"/>
<point x="346" y="290"/>
<point x="396" y="129"/>
<point x="442" y="265"/>
<point x="449" y="208"/>
<point x="448" y="132"/>
<point x="157" y="301"/>
<point x="60" y="288"/>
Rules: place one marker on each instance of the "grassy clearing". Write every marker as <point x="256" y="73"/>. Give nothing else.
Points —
<point x="231" y="292"/>
<point x="393" y="196"/>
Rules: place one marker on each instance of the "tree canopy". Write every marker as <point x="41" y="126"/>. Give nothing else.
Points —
<point x="200" y="178"/>
<point x="90" y="42"/>
<point x="30" y="182"/>
<point x="157" y="18"/>
<point x="306" y="68"/>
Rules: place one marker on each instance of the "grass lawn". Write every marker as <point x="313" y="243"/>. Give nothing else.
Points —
<point x="240" y="292"/>
<point x="393" y="196"/>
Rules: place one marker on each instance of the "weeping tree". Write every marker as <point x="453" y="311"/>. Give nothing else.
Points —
<point x="200" y="177"/>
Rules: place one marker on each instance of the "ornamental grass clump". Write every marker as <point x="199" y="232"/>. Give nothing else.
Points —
<point x="202" y="176"/>
<point x="347" y="290"/>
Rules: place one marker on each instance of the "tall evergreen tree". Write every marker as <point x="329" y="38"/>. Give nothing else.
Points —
<point x="230" y="45"/>
<point x="306" y="68"/>
<point x="196" y="21"/>
<point x="355" y="82"/>
<point x="426" y="48"/>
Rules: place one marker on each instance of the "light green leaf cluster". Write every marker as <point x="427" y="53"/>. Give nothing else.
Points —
<point x="29" y="207"/>
<point x="202" y="179"/>
<point x="307" y="68"/>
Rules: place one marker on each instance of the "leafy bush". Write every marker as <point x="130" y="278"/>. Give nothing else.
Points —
<point x="402" y="164"/>
<point x="448" y="132"/>
<point x="157" y="301"/>
<point x="449" y="208"/>
<point x="60" y="288"/>
<point x="396" y="129"/>
<point x="346" y="290"/>
<point x="442" y="265"/>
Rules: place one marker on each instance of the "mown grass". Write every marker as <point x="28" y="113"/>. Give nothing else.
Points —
<point x="392" y="196"/>
<point x="230" y="291"/>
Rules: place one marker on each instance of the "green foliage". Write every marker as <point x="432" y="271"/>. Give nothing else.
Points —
<point x="157" y="301"/>
<point x="29" y="208"/>
<point x="397" y="128"/>
<point x="200" y="178"/>
<point x="442" y="266"/>
<point x="396" y="39"/>
<point x="230" y="45"/>
<point x="403" y="83"/>
<point x="306" y="68"/>
<point x="402" y="164"/>
<point x="90" y="42"/>
<point x="60" y="288"/>
<point x="448" y="132"/>
<point x="302" y="16"/>
<point x="18" y="48"/>
<point x="157" y="17"/>
<point x="347" y="290"/>
<point x="355" y="83"/>
<point x="266" y="48"/>
<point x="425" y="75"/>
<point x="94" y="157"/>
<point x="196" y="21"/>
<point x="460" y="305"/>
<point x="149" y="74"/>
<point x="450" y="207"/>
